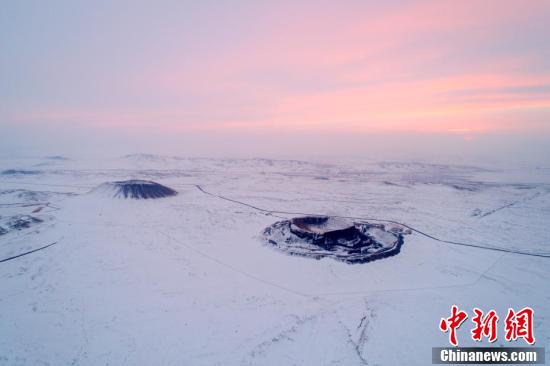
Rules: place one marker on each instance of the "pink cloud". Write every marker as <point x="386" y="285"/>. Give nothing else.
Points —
<point x="334" y="69"/>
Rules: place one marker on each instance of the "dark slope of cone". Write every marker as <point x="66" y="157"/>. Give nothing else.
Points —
<point x="135" y="189"/>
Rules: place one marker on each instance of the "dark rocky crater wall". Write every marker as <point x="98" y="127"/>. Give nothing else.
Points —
<point x="341" y="239"/>
<point x="135" y="189"/>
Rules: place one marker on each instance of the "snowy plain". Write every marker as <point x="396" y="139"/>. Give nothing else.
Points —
<point x="188" y="280"/>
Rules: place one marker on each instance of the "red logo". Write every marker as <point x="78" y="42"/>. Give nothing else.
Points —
<point x="485" y="326"/>
<point x="520" y="325"/>
<point x="452" y="323"/>
<point x="516" y="325"/>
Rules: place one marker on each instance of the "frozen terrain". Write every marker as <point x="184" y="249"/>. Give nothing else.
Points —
<point x="188" y="279"/>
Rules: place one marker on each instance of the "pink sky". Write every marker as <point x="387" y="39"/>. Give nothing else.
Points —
<point x="463" y="68"/>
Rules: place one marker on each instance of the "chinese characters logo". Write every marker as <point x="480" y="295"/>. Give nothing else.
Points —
<point x="516" y="325"/>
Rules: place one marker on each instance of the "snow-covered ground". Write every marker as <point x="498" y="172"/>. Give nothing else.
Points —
<point x="187" y="280"/>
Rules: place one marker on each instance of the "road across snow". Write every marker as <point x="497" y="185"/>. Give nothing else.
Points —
<point x="188" y="280"/>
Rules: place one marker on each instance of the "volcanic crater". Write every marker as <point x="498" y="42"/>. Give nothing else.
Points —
<point x="341" y="239"/>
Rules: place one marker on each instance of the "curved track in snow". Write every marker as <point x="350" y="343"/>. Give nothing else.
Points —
<point x="493" y="248"/>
